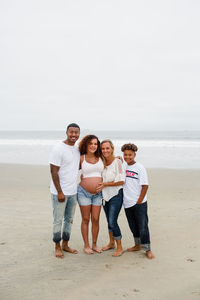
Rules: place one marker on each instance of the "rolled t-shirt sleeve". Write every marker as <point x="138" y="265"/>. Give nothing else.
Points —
<point x="143" y="176"/>
<point x="55" y="157"/>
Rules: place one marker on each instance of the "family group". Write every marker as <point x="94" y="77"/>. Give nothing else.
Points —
<point x="106" y="181"/>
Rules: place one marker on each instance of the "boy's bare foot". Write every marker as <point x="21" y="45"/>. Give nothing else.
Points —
<point x="134" y="248"/>
<point x="70" y="250"/>
<point x="95" y="248"/>
<point x="109" y="246"/>
<point x="58" y="252"/>
<point x="118" y="252"/>
<point x="88" y="250"/>
<point x="149" y="254"/>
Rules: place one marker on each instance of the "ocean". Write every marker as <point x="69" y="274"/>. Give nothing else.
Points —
<point x="156" y="149"/>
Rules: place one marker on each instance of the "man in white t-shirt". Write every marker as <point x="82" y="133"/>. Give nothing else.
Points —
<point x="135" y="200"/>
<point x="64" y="166"/>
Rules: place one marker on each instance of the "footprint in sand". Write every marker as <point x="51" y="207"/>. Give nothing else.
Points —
<point x="190" y="259"/>
<point x="196" y="293"/>
<point x="107" y="266"/>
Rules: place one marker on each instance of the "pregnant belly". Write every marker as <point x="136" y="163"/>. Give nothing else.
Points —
<point x="90" y="184"/>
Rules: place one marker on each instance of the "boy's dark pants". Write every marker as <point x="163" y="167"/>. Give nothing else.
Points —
<point x="138" y="222"/>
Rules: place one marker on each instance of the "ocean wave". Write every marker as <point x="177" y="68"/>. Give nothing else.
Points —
<point x="117" y="143"/>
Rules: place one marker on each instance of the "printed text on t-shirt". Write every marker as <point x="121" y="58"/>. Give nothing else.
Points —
<point x="131" y="174"/>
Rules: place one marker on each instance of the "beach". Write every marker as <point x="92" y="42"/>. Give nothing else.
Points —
<point x="29" y="270"/>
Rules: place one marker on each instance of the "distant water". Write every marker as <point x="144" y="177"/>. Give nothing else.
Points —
<point x="156" y="149"/>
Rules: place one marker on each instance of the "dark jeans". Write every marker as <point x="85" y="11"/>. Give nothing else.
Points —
<point x="112" y="209"/>
<point x="138" y="222"/>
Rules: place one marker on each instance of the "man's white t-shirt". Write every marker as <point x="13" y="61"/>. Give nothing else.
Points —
<point x="136" y="176"/>
<point x="67" y="158"/>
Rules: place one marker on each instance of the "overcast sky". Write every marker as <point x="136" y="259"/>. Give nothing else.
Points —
<point x="107" y="64"/>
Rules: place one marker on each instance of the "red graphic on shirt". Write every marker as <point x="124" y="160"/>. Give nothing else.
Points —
<point x="130" y="173"/>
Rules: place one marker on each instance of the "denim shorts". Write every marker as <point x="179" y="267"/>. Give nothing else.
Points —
<point x="85" y="198"/>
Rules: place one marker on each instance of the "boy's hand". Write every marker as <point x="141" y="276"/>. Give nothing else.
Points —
<point x="139" y="203"/>
<point x="142" y="194"/>
<point x="119" y="157"/>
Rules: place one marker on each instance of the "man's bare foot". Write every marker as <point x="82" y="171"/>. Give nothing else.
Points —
<point x="96" y="249"/>
<point x="58" y="252"/>
<point x="118" y="252"/>
<point x="70" y="250"/>
<point x="109" y="246"/>
<point x="88" y="250"/>
<point x="149" y="254"/>
<point x="134" y="248"/>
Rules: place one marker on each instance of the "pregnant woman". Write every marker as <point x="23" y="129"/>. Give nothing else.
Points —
<point x="111" y="187"/>
<point x="89" y="199"/>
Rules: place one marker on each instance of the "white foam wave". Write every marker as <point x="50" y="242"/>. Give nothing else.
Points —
<point x="117" y="143"/>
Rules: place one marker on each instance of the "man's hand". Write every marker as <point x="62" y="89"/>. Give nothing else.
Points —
<point x="61" y="197"/>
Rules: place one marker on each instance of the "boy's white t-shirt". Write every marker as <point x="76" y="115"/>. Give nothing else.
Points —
<point x="67" y="158"/>
<point x="136" y="176"/>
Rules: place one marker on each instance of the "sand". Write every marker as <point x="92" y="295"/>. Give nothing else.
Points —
<point x="29" y="270"/>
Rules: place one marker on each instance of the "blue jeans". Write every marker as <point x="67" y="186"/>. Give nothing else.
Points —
<point x="112" y="209"/>
<point x="138" y="222"/>
<point x="63" y="212"/>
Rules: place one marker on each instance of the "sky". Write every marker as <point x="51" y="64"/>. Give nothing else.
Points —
<point x="109" y="64"/>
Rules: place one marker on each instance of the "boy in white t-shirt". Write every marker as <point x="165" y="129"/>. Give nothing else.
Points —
<point x="135" y="200"/>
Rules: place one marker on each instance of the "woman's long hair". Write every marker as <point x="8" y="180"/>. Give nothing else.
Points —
<point x="111" y="145"/>
<point x="110" y="142"/>
<point x="85" y="142"/>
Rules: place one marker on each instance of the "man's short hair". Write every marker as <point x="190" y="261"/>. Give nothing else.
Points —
<point x="73" y="125"/>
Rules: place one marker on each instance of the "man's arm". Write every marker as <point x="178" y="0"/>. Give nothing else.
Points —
<point x="56" y="180"/>
<point x="142" y="194"/>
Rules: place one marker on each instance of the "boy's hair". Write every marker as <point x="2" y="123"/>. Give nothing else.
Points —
<point x="129" y="146"/>
<point x="73" y="125"/>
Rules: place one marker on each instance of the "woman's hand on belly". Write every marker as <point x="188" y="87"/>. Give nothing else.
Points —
<point x="100" y="187"/>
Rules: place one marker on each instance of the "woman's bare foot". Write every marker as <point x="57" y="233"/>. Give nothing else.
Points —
<point x="109" y="246"/>
<point x="134" y="248"/>
<point x="58" y="252"/>
<point x="88" y="250"/>
<point x="118" y="252"/>
<point x="149" y="254"/>
<point x="96" y="249"/>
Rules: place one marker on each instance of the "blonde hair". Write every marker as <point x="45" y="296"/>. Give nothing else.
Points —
<point x="108" y="141"/>
<point x="111" y="145"/>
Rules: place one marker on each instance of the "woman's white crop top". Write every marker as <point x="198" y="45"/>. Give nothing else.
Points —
<point x="92" y="170"/>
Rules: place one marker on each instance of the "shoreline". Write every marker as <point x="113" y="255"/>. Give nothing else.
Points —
<point x="2" y="164"/>
<point x="29" y="269"/>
